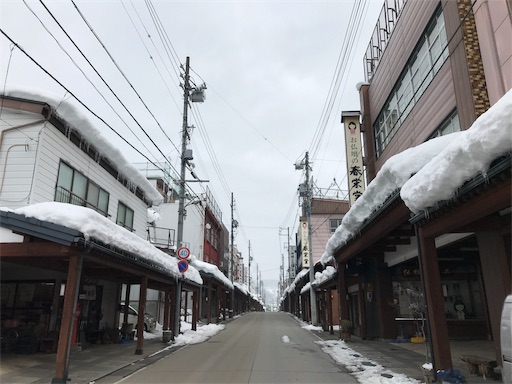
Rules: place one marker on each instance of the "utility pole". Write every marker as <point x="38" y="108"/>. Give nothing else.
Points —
<point x="291" y="261"/>
<point x="307" y="206"/>
<point x="234" y="224"/>
<point x="249" y="279"/>
<point x="282" y="274"/>
<point x="312" y="296"/>
<point x="185" y="157"/>
<point x="181" y="195"/>
<point x="257" y="280"/>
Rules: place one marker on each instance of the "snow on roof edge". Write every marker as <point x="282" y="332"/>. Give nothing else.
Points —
<point x="72" y="115"/>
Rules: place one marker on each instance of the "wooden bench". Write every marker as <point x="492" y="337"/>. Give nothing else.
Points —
<point x="480" y="366"/>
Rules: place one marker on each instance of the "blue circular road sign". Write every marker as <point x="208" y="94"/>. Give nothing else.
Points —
<point x="183" y="266"/>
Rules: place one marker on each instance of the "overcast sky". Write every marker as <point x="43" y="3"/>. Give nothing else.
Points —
<point x="268" y="66"/>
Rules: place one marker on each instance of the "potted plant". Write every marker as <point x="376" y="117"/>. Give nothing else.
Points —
<point x="416" y="307"/>
<point x="346" y="329"/>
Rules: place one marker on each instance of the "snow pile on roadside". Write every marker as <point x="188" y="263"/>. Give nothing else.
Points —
<point x="187" y="335"/>
<point x="310" y="327"/>
<point x="203" y="333"/>
<point x="364" y="370"/>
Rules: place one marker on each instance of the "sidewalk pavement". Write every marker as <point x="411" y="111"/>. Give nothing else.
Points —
<point x="109" y="363"/>
<point x="104" y="363"/>
<point x="407" y="358"/>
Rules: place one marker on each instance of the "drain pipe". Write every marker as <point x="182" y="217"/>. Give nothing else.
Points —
<point x="428" y="338"/>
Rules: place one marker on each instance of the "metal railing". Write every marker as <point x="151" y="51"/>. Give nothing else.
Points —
<point x="62" y="195"/>
<point x="161" y="237"/>
<point x="386" y="22"/>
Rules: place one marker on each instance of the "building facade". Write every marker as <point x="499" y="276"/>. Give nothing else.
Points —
<point x="432" y="68"/>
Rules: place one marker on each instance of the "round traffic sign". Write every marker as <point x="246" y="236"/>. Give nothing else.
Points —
<point x="183" y="253"/>
<point x="183" y="266"/>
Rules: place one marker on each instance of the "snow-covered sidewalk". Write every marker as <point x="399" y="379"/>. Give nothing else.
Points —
<point x="363" y="369"/>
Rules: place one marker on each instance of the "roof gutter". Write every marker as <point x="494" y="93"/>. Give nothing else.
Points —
<point x="42" y="229"/>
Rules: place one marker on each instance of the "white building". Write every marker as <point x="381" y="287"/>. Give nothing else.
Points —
<point x="49" y="152"/>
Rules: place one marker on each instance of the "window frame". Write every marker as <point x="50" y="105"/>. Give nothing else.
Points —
<point x="70" y="194"/>
<point x="449" y="125"/>
<point x="123" y="222"/>
<point x="418" y="73"/>
<point x="334" y="224"/>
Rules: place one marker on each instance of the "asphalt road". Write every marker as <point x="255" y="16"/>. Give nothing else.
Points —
<point x="255" y="348"/>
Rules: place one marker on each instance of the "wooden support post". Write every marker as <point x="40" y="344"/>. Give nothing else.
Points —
<point x="195" y="309"/>
<point x="172" y="317"/>
<point x="209" y="302"/>
<point x="224" y="304"/>
<point x="329" y="311"/>
<point x="435" y="302"/>
<point x="186" y="307"/>
<point x="167" y="307"/>
<point x="200" y="304"/>
<point x="68" y="319"/>
<point x="126" y="303"/>
<point x="142" y="311"/>
<point x="342" y="296"/>
<point x="361" y="298"/>
<point x="218" y="299"/>
<point x="495" y="273"/>
<point x="166" y="331"/>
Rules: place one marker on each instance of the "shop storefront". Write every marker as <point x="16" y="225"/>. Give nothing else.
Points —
<point x="27" y="314"/>
<point x="464" y="299"/>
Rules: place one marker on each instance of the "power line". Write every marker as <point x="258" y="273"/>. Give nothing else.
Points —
<point x="149" y="53"/>
<point x="247" y="122"/>
<point x="78" y="67"/>
<point x="131" y="85"/>
<point x="164" y="37"/>
<point x="77" y="99"/>
<point x="87" y="108"/>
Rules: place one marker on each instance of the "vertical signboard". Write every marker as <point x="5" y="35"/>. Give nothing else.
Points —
<point x="304" y="233"/>
<point x="354" y="153"/>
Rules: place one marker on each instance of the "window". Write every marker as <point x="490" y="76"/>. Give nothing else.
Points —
<point x="74" y="188"/>
<point x="450" y="125"/>
<point x="426" y="60"/>
<point x="405" y="95"/>
<point x="335" y="223"/>
<point x="438" y="43"/>
<point x="125" y="216"/>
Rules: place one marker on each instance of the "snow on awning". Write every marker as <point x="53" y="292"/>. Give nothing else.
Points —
<point x="432" y="171"/>
<point x="211" y="269"/>
<point x="95" y="227"/>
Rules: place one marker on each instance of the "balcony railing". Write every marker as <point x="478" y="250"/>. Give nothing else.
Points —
<point x="161" y="237"/>
<point x="62" y="195"/>
<point x="386" y="22"/>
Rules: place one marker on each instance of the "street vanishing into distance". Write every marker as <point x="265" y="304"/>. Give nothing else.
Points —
<point x="259" y="347"/>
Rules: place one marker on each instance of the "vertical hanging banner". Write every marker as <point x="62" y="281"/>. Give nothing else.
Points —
<point x="354" y="153"/>
<point x="304" y="233"/>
